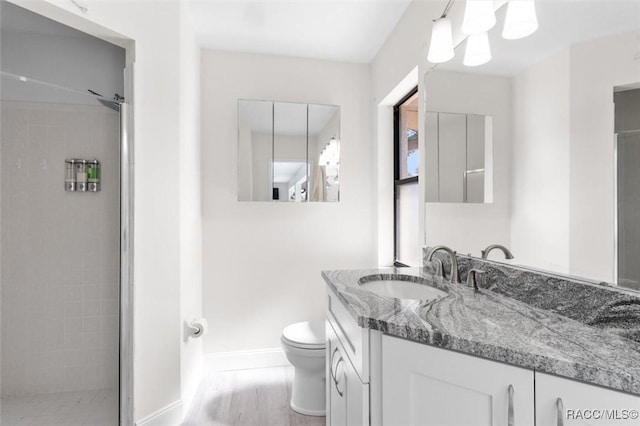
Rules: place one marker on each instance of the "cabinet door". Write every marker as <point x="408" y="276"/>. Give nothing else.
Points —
<point x="336" y="400"/>
<point x="565" y="402"/>
<point x="425" y="385"/>
<point x="347" y="396"/>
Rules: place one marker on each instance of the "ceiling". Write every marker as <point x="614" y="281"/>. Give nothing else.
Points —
<point x="561" y="24"/>
<point x="16" y="18"/>
<point x="338" y="30"/>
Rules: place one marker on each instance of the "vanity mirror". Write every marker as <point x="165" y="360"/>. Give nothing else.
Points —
<point x="566" y="146"/>
<point x="288" y="151"/>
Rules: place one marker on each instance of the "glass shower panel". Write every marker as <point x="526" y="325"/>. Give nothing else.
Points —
<point x="629" y="209"/>
<point x="60" y="258"/>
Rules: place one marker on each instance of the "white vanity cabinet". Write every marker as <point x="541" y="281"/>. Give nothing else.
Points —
<point x="380" y="380"/>
<point x="347" y="368"/>
<point x="424" y="385"/>
<point x="565" y="402"/>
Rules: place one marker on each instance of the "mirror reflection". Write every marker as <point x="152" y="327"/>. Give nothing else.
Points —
<point x="290" y="173"/>
<point x="566" y="171"/>
<point x="460" y="142"/>
<point x="288" y="152"/>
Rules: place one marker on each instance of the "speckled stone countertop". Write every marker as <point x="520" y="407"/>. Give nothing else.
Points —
<point x="494" y="326"/>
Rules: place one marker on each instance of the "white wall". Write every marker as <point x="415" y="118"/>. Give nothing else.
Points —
<point x="470" y="227"/>
<point x="155" y="28"/>
<point x="596" y="68"/>
<point x="541" y="138"/>
<point x="262" y="259"/>
<point x="398" y="67"/>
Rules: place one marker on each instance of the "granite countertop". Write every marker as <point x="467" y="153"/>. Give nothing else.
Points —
<point x="493" y="326"/>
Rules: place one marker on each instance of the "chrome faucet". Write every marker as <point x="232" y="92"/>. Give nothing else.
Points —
<point x="506" y="251"/>
<point x="472" y="278"/>
<point x="454" y="262"/>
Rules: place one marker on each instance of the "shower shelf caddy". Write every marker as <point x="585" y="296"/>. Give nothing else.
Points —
<point x="82" y="175"/>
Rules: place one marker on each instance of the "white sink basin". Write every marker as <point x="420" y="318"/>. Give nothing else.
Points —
<point x="400" y="289"/>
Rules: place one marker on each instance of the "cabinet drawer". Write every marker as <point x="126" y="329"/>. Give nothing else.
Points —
<point x="565" y="402"/>
<point x="353" y="338"/>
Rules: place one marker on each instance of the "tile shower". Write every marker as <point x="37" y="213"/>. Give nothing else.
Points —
<point x="59" y="265"/>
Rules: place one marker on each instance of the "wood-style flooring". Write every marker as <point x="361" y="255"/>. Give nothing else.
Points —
<point x="257" y="397"/>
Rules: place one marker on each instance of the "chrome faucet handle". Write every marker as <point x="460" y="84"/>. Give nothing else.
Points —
<point x="437" y="267"/>
<point x="471" y="278"/>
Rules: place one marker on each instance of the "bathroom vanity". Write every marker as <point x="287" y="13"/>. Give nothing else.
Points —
<point x="469" y="357"/>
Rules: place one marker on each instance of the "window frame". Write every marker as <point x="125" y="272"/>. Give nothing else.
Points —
<point x="396" y="171"/>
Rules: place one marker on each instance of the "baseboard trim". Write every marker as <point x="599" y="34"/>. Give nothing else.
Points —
<point x="168" y="415"/>
<point x="244" y="360"/>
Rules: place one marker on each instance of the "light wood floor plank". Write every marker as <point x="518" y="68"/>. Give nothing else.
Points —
<point x="258" y="397"/>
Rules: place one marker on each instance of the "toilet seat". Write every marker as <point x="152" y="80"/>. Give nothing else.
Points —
<point x="308" y="335"/>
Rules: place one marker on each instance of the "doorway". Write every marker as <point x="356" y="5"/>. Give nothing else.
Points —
<point x="61" y="205"/>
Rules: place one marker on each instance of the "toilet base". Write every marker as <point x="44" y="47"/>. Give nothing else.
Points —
<point x="308" y="393"/>
<point x="308" y="412"/>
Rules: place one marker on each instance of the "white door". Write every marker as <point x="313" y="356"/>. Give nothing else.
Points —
<point x="425" y="385"/>
<point x="565" y="402"/>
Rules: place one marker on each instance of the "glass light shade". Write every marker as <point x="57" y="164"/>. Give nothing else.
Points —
<point x="521" y="19"/>
<point x="441" y="46"/>
<point x="477" y="51"/>
<point x="479" y="16"/>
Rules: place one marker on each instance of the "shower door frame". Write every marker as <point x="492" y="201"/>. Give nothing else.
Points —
<point x="125" y="405"/>
<point x="616" y="221"/>
<point x="126" y="331"/>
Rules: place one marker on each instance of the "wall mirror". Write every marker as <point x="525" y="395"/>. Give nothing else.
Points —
<point x="566" y="143"/>
<point x="463" y="146"/>
<point x="288" y="152"/>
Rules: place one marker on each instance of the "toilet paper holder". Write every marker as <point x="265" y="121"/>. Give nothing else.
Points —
<point x="197" y="327"/>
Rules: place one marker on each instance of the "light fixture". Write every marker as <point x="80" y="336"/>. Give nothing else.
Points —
<point x="521" y="19"/>
<point x="479" y="16"/>
<point x="330" y="154"/>
<point x="441" y="46"/>
<point x="477" y="51"/>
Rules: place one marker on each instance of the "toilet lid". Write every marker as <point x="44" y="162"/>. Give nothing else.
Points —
<point x="305" y="335"/>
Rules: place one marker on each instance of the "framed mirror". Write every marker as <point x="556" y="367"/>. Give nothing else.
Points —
<point x="288" y="152"/>
<point x="565" y="169"/>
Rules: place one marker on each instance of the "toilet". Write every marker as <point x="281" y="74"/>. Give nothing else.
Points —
<point x="304" y="345"/>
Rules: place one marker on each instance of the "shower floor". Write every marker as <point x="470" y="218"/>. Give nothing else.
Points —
<point x="84" y="408"/>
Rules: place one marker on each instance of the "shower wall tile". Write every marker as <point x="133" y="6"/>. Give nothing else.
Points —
<point x="60" y="251"/>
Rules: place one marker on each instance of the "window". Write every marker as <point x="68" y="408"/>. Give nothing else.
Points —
<point x="406" y="171"/>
